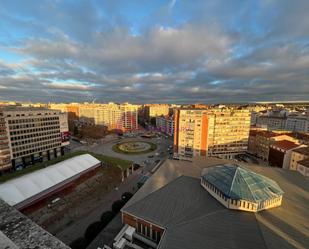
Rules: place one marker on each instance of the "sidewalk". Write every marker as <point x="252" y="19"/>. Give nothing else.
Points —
<point x="78" y="228"/>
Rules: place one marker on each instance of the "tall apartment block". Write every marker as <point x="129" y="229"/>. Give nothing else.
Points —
<point x="210" y="132"/>
<point x="28" y="135"/>
<point x="115" y="116"/>
<point x="156" y="110"/>
<point x="165" y="125"/>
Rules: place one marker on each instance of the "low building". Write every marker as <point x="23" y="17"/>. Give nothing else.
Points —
<point x="280" y="153"/>
<point x="172" y="210"/>
<point x="261" y="140"/>
<point x="298" y="155"/>
<point x="303" y="167"/>
<point x="241" y="189"/>
<point x="27" y="190"/>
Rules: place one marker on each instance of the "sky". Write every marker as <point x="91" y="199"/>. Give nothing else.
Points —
<point x="152" y="51"/>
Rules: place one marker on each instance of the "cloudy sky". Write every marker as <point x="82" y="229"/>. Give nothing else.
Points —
<point x="179" y="51"/>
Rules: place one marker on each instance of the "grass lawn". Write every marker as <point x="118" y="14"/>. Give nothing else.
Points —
<point x="116" y="162"/>
<point x="118" y="150"/>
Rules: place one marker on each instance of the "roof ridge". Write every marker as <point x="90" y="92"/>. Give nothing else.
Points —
<point x="200" y="217"/>
<point x="247" y="184"/>
<point x="233" y="180"/>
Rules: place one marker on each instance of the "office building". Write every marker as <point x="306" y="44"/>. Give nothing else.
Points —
<point x="31" y="134"/>
<point x="271" y="122"/>
<point x="210" y="132"/>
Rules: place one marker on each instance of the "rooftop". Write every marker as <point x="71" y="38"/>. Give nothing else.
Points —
<point x="285" y="145"/>
<point x="27" y="186"/>
<point x="239" y="183"/>
<point x="174" y="199"/>
<point x="302" y="150"/>
<point x="17" y="231"/>
<point x="304" y="162"/>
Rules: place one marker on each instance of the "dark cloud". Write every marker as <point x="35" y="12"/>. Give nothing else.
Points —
<point x="206" y="51"/>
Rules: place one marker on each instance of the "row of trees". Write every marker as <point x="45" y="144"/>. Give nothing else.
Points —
<point x="95" y="228"/>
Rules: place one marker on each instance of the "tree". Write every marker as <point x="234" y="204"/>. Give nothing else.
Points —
<point x="126" y="196"/>
<point x="153" y="121"/>
<point x="117" y="205"/>
<point x="93" y="230"/>
<point x="80" y="243"/>
<point x="106" y="217"/>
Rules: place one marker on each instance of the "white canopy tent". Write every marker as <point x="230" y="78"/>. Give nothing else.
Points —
<point x="25" y="189"/>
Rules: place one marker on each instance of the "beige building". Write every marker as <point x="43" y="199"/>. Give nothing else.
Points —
<point x="156" y="110"/>
<point x="32" y="134"/>
<point x="260" y="142"/>
<point x="303" y="167"/>
<point x="210" y="132"/>
<point x="298" y="155"/>
<point x="114" y="116"/>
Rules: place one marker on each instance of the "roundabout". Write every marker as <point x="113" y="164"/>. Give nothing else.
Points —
<point x="134" y="147"/>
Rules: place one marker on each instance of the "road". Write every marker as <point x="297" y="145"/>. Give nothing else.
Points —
<point x="77" y="229"/>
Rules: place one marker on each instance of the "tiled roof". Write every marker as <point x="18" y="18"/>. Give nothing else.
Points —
<point x="284" y="145"/>
<point x="302" y="150"/>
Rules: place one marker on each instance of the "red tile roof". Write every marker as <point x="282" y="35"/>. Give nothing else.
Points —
<point x="285" y="145"/>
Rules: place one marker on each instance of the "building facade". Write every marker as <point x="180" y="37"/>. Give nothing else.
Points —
<point x="297" y="123"/>
<point x="303" y="167"/>
<point x="280" y="153"/>
<point x="298" y="155"/>
<point x="32" y="134"/>
<point x="165" y="125"/>
<point x="212" y="132"/>
<point x="156" y="110"/>
<point x="114" y="116"/>
<point x="260" y="142"/>
<point x="271" y="122"/>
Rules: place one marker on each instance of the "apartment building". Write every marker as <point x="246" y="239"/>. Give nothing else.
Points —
<point x="31" y="134"/>
<point x="261" y="140"/>
<point x="212" y="132"/>
<point x="165" y="125"/>
<point x="280" y="153"/>
<point x="5" y="158"/>
<point x="114" y="116"/>
<point x="298" y="155"/>
<point x="156" y="110"/>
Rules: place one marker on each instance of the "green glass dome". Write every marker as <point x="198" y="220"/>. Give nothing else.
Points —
<point x="238" y="183"/>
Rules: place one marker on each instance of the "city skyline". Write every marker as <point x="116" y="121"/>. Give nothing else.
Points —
<point x="155" y="51"/>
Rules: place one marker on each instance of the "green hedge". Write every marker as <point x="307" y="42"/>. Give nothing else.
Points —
<point x="123" y="164"/>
